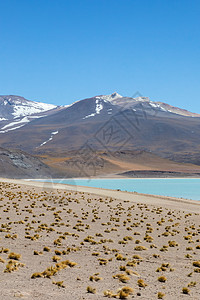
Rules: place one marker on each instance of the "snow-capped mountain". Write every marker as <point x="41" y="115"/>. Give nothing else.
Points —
<point x="147" y="105"/>
<point x="110" y="122"/>
<point x="16" y="111"/>
<point x="111" y="104"/>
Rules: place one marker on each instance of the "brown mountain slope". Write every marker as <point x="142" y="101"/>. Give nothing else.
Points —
<point x="83" y="164"/>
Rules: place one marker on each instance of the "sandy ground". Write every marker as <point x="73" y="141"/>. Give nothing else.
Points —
<point x="70" y="239"/>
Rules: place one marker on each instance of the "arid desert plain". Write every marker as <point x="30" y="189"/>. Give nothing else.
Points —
<point x="64" y="242"/>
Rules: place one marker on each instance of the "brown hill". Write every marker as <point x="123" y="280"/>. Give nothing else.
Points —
<point x="120" y="163"/>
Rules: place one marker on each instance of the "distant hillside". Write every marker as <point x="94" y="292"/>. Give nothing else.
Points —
<point x="18" y="164"/>
<point x="120" y="163"/>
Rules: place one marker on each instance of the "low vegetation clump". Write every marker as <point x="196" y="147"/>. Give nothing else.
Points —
<point x="95" y="278"/>
<point x="14" y="256"/>
<point x="162" y="278"/>
<point x="140" y="248"/>
<point x="196" y="264"/>
<point x="122" y="293"/>
<point x="91" y="290"/>
<point x="12" y="266"/>
<point x="36" y="275"/>
<point x="108" y="294"/>
<point x="52" y="270"/>
<point x="141" y="283"/>
<point x="192" y="284"/>
<point x="59" y="284"/>
<point x="160" y="295"/>
<point x="122" y="277"/>
<point x="47" y="249"/>
<point x="185" y="290"/>
<point x="120" y="257"/>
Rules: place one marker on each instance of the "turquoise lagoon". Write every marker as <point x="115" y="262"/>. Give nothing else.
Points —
<point x="188" y="188"/>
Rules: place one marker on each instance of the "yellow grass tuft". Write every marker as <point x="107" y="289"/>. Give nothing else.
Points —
<point x="14" y="256"/>
<point x="91" y="290"/>
<point x="141" y="283"/>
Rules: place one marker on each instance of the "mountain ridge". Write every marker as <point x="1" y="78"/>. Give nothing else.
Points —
<point x="114" y="98"/>
<point x="141" y="124"/>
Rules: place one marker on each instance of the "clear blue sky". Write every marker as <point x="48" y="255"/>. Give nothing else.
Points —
<point x="65" y="50"/>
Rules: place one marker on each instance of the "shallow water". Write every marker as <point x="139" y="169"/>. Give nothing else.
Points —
<point x="188" y="188"/>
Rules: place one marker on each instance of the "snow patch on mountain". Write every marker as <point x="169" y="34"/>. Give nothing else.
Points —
<point x="37" y="117"/>
<point x="23" y="120"/>
<point x="50" y="139"/>
<point x="109" y="111"/>
<point x="88" y="116"/>
<point x="98" y="108"/>
<point x="10" y="129"/>
<point x="156" y="105"/>
<point x="23" y="109"/>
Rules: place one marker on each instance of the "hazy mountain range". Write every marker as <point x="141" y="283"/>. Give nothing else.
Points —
<point x="96" y="129"/>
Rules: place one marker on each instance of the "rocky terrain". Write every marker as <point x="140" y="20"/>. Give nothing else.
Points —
<point x="18" y="164"/>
